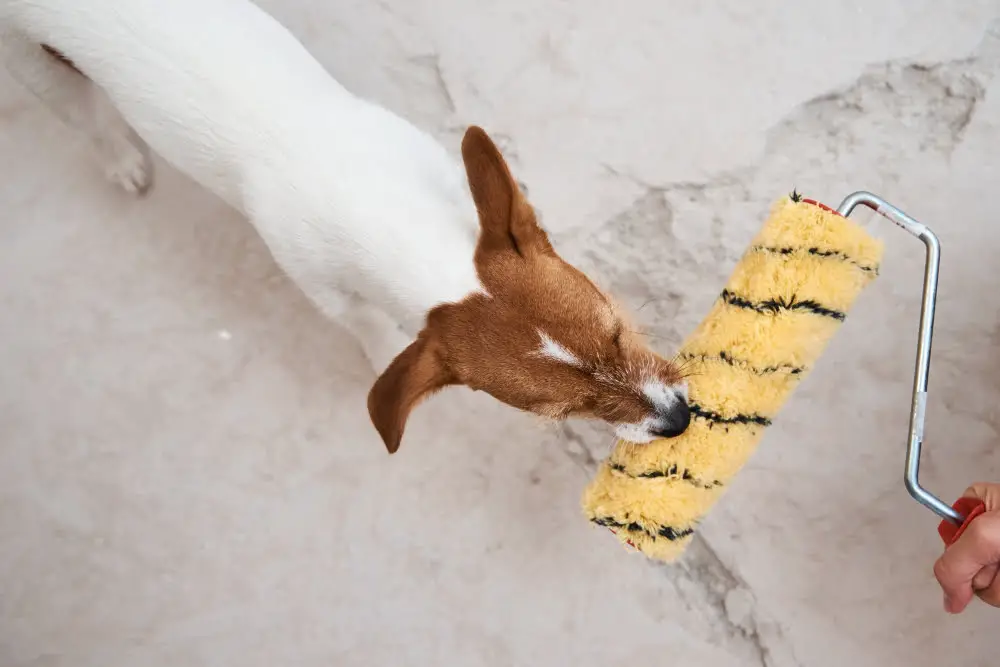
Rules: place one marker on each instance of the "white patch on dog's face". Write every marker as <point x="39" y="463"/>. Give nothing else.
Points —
<point x="663" y="397"/>
<point x="553" y="350"/>
<point x="670" y="417"/>
<point x="640" y="433"/>
<point x="681" y="389"/>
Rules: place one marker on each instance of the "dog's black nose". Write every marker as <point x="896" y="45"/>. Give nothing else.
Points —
<point x="675" y="422"/>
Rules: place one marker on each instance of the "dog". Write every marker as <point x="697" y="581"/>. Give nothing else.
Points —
<point x="369" y="216"/>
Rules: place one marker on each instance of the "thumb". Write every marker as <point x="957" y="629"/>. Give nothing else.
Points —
<point x="978" y="547"/>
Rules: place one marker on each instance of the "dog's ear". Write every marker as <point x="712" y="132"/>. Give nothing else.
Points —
<point x="506" y="220"/>
<point x="414" y="375"/>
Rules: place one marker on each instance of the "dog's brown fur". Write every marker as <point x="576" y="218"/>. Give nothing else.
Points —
<point x="491" y="340"/>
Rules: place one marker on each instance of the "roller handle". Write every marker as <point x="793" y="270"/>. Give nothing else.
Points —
<point x="918" y="405"/>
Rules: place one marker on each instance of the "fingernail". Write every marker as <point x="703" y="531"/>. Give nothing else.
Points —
<point x="947" y="604"/>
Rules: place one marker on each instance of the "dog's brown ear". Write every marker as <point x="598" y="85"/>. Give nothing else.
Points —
<point x="414" y="375"/>
<point x="506" y="219"/>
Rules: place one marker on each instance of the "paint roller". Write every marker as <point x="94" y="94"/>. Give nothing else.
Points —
<point x="786" y="298"/>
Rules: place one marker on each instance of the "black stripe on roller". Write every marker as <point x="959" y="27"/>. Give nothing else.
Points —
<point x="744" y="365"/>
<point x="671" y="472"/>
<point x="772" y="306"/>
<point x="817" y="252"/>
<point x="669" y="532"/>
<point x="716" y="418"/>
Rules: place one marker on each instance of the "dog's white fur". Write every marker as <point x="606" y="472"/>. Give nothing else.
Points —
<point x="367" y="214"/>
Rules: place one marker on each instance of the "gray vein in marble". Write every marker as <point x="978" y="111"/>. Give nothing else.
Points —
<point x="432" y="63"/>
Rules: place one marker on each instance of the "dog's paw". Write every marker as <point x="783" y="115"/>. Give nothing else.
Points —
<point x="130" y="166"/>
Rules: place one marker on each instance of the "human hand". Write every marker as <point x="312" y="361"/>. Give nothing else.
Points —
<point x="970" y="565"/>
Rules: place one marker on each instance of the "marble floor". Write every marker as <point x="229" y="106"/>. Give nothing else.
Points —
<point x="187" y="471"/>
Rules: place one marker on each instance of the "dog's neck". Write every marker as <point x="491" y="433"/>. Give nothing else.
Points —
<point x="448" y="276"/>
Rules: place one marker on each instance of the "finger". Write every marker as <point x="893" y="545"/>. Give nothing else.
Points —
<point x="978" y="547"/>
<point x="991" y="594"/>
<point x="975" y="490"/>
<point x="988" y="493"/>
<point x="984" y="578"/>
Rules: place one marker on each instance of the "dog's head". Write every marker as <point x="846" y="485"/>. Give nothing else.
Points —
<point x="540" y="336"/>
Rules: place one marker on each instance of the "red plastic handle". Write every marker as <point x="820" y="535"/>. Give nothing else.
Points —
<point x="970" y="508"/>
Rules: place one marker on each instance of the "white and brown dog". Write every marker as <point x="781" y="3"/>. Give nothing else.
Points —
<point x="367" y="214"/>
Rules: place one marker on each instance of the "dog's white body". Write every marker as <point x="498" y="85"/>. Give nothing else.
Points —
<point x="368" y="215"/>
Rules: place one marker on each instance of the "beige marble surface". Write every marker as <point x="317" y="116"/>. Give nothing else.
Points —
<point x="187" y="473"/>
